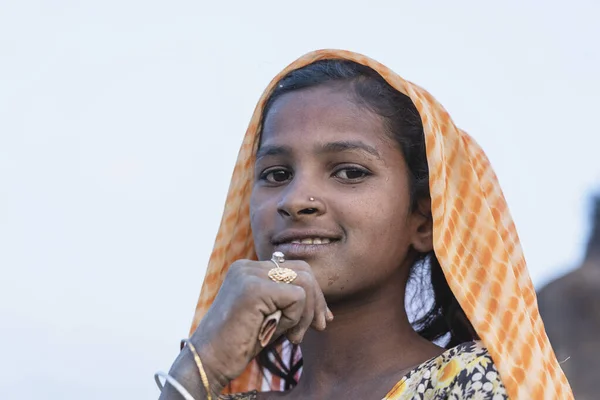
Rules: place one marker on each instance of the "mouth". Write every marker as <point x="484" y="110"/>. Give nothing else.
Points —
<point x="311" y="241"/>
<point x="303" y="245"/>
<point x="305" y="249"/>
<point x="313" y="237"/>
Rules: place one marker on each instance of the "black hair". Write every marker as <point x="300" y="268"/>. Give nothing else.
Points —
<point x="440" y="317"/>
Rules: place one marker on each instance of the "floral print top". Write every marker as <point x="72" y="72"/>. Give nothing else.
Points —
<point x="462" y="372"/>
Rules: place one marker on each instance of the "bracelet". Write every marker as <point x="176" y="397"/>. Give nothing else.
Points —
<point x="200" y="367"/>
<point x="168" y="378"/>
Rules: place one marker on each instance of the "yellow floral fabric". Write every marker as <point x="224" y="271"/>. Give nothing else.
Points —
<point x="463" y="372"/>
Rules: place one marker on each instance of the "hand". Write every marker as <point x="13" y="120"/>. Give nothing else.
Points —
<point x="227" y="337"/>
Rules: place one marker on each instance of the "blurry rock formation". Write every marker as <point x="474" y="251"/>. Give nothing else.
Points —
<point x="570" y="308"/>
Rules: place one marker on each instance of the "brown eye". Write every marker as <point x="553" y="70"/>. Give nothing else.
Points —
<point x="276" y="175"/>
<point x="351" y="174"/>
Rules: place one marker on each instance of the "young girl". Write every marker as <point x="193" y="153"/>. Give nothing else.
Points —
<point x="350" y="183"/>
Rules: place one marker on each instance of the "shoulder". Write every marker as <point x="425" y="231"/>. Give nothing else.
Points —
<point x="462" y="372"/>
<point x="465" y="354"/>
<point x="473" y="373"/>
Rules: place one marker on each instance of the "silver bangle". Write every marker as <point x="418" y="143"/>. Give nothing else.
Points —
<point x="168" y="378"/>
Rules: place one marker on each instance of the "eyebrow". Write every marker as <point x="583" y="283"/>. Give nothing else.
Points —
<point x="348" y="145"/>
<point x="269" y="150"/>
<point x="331" y="147"/>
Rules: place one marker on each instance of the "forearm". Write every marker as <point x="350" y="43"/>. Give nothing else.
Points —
<point x="186" y="372"/>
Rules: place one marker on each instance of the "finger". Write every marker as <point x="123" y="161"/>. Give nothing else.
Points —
<point x="268" y="328"/>
<point x="282" y="306"/>
<point x="321" y="312"/>
<point x="321" y="309"/>
<point x="314" y="313"/>
<point x="305" y="280"/>
<point x="290" y="299"/>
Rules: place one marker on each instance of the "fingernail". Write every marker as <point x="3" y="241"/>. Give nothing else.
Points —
<point x="323" y="322"/>
<point x="329" y="315"/>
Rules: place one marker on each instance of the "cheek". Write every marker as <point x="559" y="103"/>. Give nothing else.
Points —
<point x="383" y="210"/>
<point x="381" y="226"/>
<point x="261" y="219"/>
<point x="388" y="230"/>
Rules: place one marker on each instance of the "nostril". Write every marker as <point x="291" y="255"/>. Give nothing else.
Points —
<point x="283" y="213"/>
<point x="308" y="211"/>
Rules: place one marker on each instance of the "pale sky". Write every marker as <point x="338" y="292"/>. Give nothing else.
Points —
<point x="120" y="122"/>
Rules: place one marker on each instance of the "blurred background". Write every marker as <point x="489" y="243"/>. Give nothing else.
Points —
<point x="120" y="122"/>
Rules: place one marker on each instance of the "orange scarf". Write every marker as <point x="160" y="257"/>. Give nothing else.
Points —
<point x="475" y="241"/>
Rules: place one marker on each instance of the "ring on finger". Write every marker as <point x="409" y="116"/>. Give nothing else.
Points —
<point x="278" y="257"/>
<point x="279" y="274"/>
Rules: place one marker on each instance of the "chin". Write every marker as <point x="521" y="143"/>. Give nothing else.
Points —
<point x="336" y="290"/>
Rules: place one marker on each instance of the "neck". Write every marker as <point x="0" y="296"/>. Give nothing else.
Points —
<point x="357" y="345"/>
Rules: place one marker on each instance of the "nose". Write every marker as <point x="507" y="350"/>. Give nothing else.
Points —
<point x="299" y="203"/>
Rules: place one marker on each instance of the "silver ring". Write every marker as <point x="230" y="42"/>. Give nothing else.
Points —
<point x="279" y="274"/>
<point x="278" y="257"/>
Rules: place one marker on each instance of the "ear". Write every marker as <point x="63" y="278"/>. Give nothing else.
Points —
<point x="422" y="239"/>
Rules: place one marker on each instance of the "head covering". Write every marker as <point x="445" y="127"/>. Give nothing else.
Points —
<point x="474" y="237"/>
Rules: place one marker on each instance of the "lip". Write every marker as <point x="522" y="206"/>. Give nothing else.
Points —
<point x="299" y="251"/>
<point x="286" y="236"/>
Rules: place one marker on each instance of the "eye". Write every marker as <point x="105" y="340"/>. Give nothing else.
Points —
<point x="276" y="175"/>
<point x="352" y="174"/>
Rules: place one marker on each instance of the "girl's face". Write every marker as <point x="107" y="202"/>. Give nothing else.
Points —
<point x="359" y="232"/>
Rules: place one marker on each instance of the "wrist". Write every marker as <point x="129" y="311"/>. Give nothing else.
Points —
<point x="214" y="367"/>
<point x="187" y="372"/>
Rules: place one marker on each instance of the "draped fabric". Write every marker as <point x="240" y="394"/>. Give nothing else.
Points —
<point x="475" y="241"/>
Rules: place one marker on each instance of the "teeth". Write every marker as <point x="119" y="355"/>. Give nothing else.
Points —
<point x="312" y="241"/>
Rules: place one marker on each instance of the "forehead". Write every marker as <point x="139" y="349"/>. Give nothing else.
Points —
<point x="321" y="114"/>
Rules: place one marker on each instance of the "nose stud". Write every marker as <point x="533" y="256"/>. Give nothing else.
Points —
<point x="311" y="199"/>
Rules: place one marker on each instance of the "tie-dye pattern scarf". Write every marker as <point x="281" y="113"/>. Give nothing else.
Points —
<point x="475" y="241"/>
